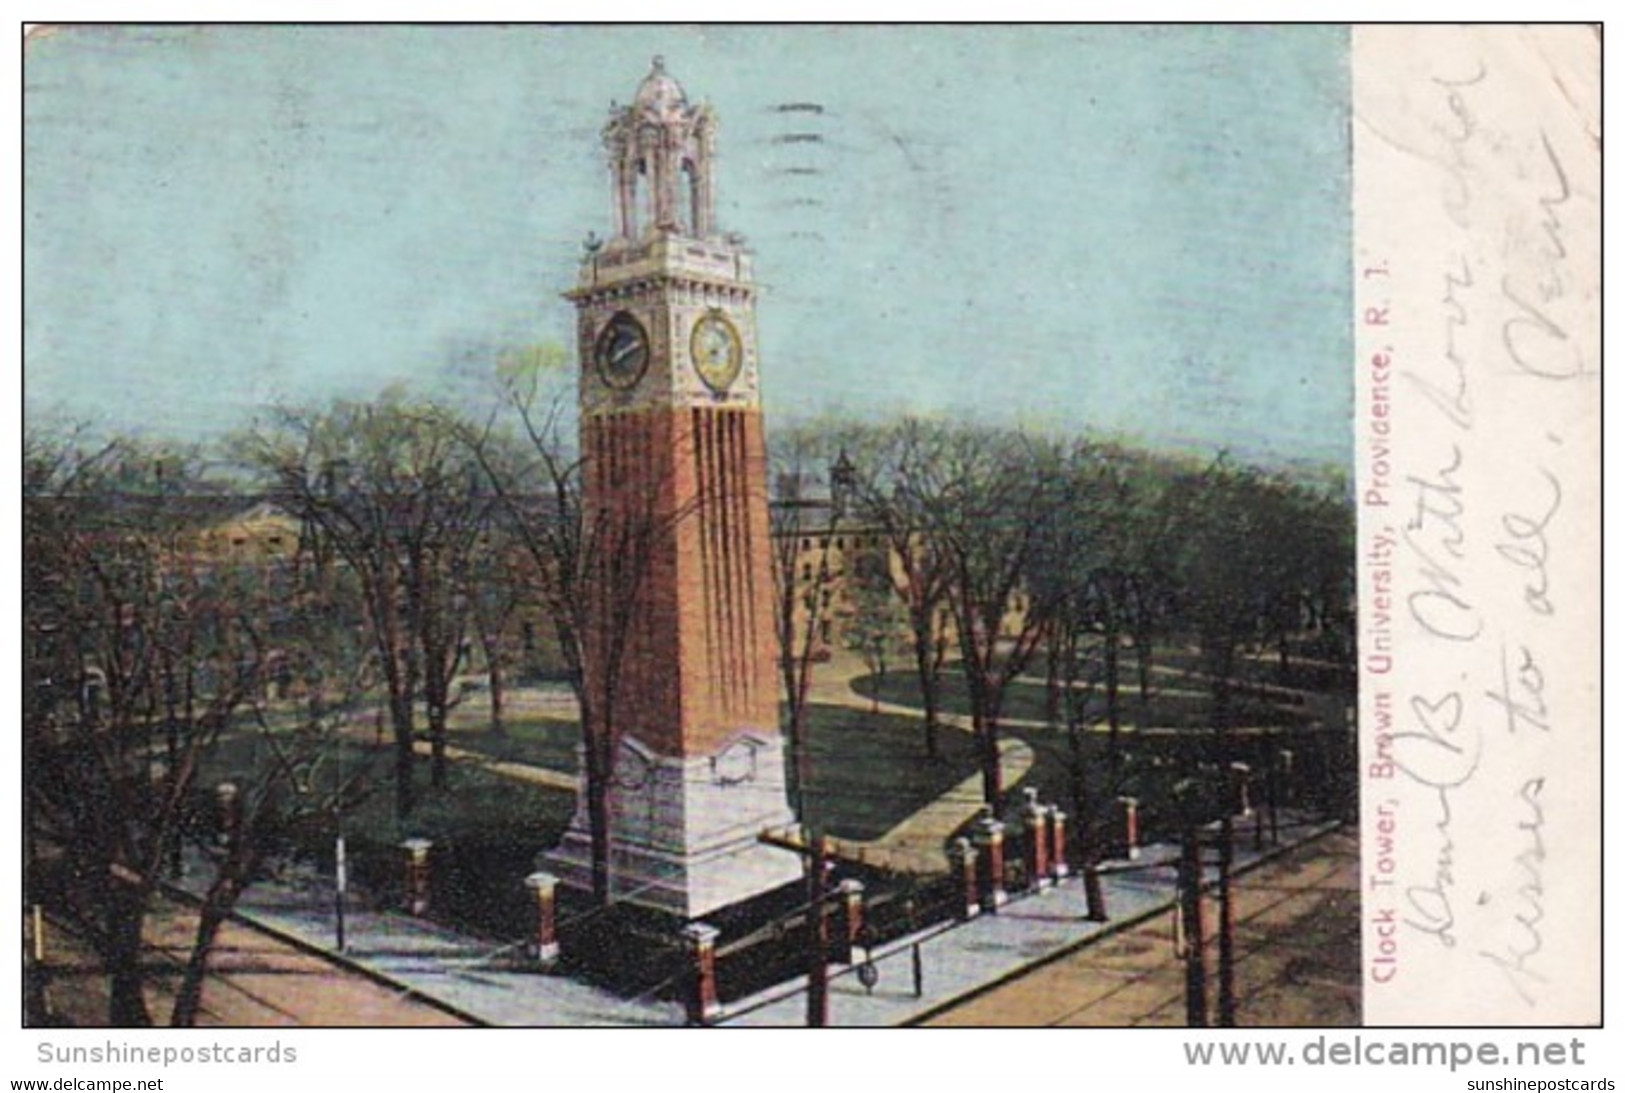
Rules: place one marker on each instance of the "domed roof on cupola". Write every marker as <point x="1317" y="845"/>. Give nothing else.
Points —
<point x="659" y="93"/>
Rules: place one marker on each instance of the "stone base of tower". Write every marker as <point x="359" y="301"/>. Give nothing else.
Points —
<point x="683" y="831"/>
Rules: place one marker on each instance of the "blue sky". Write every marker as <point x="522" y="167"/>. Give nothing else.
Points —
<point x="1142" y="230"/>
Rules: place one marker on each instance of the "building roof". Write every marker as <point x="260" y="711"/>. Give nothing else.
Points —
<point x="658" y="93"/>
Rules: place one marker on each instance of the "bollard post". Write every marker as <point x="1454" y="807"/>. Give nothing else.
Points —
<point x="989" y="839"/>
<point x="701" y="1003"/>
<point x="229" y="812"/>
<point x="1272" y="798"/>
<point x="851" y="892"/>
<point x="545" y="943"/>
<point x="962" y="856"/>
<point x="1131" y="826"/>
<point x="1094" y="892"/>
<point x="1057" y="843"/>
<point x="417" y="875"/>
<point x="1241" y="803"/>
<point x="1035" y="821"/>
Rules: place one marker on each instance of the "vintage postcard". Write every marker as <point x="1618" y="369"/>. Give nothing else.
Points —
<point x="783" y="526"/>
<point x="1478" y="460"/>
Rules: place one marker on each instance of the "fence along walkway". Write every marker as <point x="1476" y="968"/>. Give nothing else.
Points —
<point x="959" y="961"/>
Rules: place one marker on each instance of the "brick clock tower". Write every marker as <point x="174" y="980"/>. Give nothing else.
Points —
<point x="676" y="501"/>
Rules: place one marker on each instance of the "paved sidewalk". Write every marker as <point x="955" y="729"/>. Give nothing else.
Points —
<point x="1297" y="958"/>
<point x="964" y="959"/>
<point x="484" y="981"/>
<point x="491" y="983"/>
<point x="524" y="772"/>
<point x="916" y="844"/>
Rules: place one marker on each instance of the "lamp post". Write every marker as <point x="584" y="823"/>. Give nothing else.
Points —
<point x="340" y="880"/>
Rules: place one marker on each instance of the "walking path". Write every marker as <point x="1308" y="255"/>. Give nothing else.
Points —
<point x="832" y="683"/>
<point x="524" y="772"/>
<point x="917" y="844"/>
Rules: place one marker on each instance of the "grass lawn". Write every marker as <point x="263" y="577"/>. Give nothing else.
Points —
<point x="1026" y="701"/>
<point x="870" y="772"/>
<point x="487" y="828"/>
<point x="1150" y="764"/>
<point x="474" y="801"/>
<point x="526" y="738"/>
<point x="1265" y="668"/>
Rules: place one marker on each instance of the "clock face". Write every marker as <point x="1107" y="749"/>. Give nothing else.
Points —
<point x="622" y="352"/>
<point x="717" y="351"/>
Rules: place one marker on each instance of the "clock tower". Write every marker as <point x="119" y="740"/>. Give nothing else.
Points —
<point x="680" y="650"/>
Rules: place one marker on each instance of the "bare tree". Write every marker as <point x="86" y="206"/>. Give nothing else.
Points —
<point x="593" y="533"/>
<point x="441" y="562"/>
<point x="986" y="501"/>
<point x="145" y="651"/>
<point x="874" y="623"/>
<point x="1101" y="569"/>
<point x="1230" y="567"/>
<point x="804" y="518"/>
<point x="135" y="648"/>
<point x="500" y="582"/>
<point x="885" y="461"/>
<point x="389" y="487"/>
<point x="1080" y="639"/>
<point x="1311" y="532"/>
<point x="293" y="782"/>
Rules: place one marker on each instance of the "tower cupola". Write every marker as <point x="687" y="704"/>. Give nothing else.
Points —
<point x="660" y="153"/>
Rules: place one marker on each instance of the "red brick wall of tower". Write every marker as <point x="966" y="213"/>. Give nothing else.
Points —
<point x="681" y="497"/>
